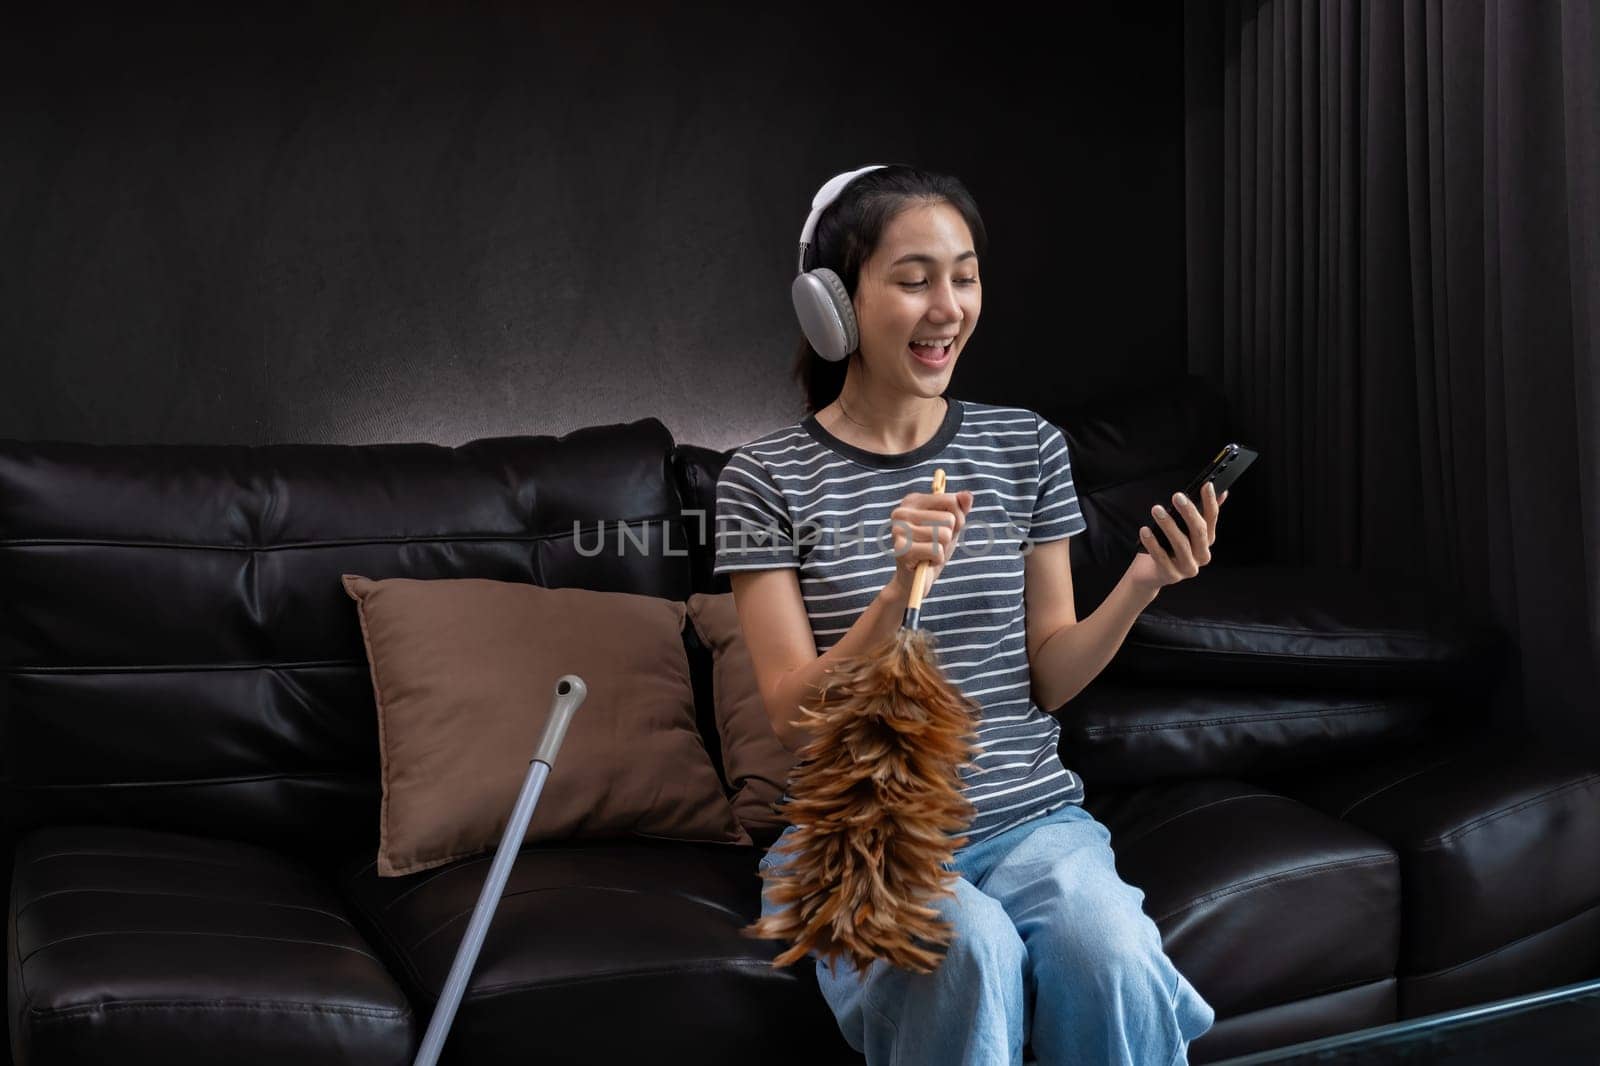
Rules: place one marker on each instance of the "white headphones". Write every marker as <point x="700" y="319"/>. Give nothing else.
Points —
<point x="821" y="301"/>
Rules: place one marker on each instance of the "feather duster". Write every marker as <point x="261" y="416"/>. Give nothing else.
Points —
<point x="875" y="799"/>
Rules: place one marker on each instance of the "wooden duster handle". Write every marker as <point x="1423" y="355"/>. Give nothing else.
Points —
<point x="914" y="605"/>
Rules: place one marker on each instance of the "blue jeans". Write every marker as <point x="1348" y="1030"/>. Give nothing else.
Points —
<point x="1051" y="948"/>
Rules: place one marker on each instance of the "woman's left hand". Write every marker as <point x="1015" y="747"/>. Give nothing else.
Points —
<point x="1157" y="569"/>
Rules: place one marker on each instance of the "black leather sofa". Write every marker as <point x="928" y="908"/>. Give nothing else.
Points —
<point x="1295" y="765"/>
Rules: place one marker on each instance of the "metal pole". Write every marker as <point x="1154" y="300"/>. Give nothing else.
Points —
<point x="570" y="693"/>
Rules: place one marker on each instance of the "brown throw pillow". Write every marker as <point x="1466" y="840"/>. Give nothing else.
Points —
<point x="756" y="761"/>
<point x="464" y="671"/>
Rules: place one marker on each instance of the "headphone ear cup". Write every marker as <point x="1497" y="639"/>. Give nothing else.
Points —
<point x="827" y="317"/>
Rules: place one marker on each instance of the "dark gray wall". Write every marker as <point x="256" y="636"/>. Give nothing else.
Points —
<point x="392" y="222"/>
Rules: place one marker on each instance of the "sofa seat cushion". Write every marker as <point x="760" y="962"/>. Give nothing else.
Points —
<point x="603" y="951"/>
<point x="1499" y="841"/>
<point x="1303" y="627"/>
<point x="133" y="946"/>
<point x="1118" y="732"/>
<point x="1260" y="899"/>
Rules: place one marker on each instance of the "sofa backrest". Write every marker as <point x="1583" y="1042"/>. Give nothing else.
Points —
<point x="177" y="651"/>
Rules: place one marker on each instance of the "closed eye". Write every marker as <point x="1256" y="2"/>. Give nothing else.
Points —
<point x="959" y="281"/>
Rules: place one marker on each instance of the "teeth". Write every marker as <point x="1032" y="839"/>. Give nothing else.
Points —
<point x="945" y="343"/>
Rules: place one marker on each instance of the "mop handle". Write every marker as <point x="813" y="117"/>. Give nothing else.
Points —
<point x="914" y="607"/>
<point x="570" y="693"/>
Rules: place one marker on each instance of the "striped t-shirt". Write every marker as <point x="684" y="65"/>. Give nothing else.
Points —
<point x="801" y="497"/>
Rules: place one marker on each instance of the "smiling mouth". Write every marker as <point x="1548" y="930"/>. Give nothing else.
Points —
<point x="932" y="356"/>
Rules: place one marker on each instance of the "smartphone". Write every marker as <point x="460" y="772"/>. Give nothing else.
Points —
<point x="1222" y="471"/>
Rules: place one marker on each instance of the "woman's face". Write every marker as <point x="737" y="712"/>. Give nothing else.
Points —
<point x="920" y="284"/>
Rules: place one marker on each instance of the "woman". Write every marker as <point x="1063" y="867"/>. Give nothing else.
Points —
<point x="1051" y="946"/>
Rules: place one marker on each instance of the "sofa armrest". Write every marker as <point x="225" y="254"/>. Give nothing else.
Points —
<point x="1269" y="669"/>
<point x="1498" y="835"/>
<point x="1302" y="627"/>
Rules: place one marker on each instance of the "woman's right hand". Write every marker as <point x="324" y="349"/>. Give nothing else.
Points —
<point x="926" y="527"/>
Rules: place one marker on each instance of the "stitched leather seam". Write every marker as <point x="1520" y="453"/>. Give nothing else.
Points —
<point x="458" y="915"/>
<point x="1304" y="871"/>
<point x="72" y="1013"/>
<point x="1267" y="627"/>
<point x="743" y="962"/>
<point x="1381" y="789"/>
<point x="184" y="668"/>
<point x="1338" y="986"/>
<point x="396" y="952"/>
<point x="437" y="538"/>
<point x="1434" y="766"/>
<point x="182" y="895"/>
<point x="1328" y="990"/>
<point x="1345" y="986"/>
<point x="1130" y="837"/>
<point x="1154" y="727"/>
<point x="166" y="859"/>
<point x="190" y="782"/>
<point x="1449" y="837"/>
<point x="481" y="858"/>
<point x="434" y="875"/>
<point x="178" y="932"/>
<point x="1285" y="658"/>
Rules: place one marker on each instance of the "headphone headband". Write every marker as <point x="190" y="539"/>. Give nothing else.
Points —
<point x="826" y="195"/>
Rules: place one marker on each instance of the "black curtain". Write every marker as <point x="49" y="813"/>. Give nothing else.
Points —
<point x="1394" y="272"/>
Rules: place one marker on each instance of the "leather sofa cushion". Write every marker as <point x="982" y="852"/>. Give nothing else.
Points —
<point x="604" y="952"/>
<point x="464" y="671"/>
<point x="132" y="946"/>
<point x="1499" y="837"/>
<point x="1260" y="899"/>
<point x="756" y="761"/>
<point x="1300" y="627"/>
<point x="1118" y="732"/>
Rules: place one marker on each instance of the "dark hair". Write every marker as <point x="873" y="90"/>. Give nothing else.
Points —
<point x="847" y="234"/>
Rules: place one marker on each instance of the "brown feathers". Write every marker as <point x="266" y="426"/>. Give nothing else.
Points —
<point x="874" y="799"/>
